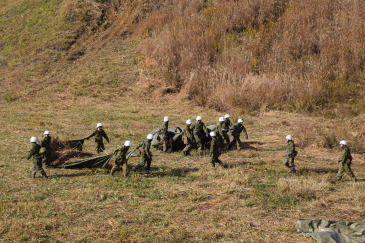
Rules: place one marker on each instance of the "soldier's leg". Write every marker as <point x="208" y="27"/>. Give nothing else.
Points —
<point x="34" y="171"/>
<point x="292" y="165"/>
<point x="238" y="143"/>
<point x="198" y="142"/>
<point x="286" y="161"/>
<point x="148" y="161"/>
<point x="227" y="140"/>
<point x="125" y="169"/>
<point x="350" y="172"/>
<point x="212" y="160"/>
<point x="341" y="171"/>
<point x="220" y="162"/>
<point x="187" y="149"/>
<point x="40" y="168"/>
<point x="116" y="167"/>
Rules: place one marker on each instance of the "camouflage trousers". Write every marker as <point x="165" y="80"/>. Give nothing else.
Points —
<point x="187" y="149"/>
<point x="226" y="139"/>
<point x="214" y="158"/>
<point x="99" y="146"/>
<point x="200" y="141"/>
<point x="345" y="168"/>
<point x="166" y="143"/>
<point x="236" y="141"/>
<point x="121" y="166"/>
<point x="289" y="162"/>
<point x="146" y="161"/>
<point x="37" y="167"/>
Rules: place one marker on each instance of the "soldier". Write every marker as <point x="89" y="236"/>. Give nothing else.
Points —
<point x="37" y="158"/>
<point x="345" y="162"/>
<point x="99" y="135"/>
<point x="188" y="138"/>
<point x="291" y="154"/>
<point x="236" y="131"/>
<point x="121" y="161"/>
<point x="146" y="155"/>
<point x="215" y="150"/>
<point x="166" y="140"/>
<point x="200" y="132"/>
<point x="46" y="144"/>
<point x="226" y="127"/>
<point x="220" y="132"/>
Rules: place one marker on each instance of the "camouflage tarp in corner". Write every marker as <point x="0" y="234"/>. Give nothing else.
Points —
<point x="324" y="231"/>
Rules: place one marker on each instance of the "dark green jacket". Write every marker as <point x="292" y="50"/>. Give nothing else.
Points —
<point x="291" y="152"/>
<point x="121" y="154"/>
<point x="35" y="151"/>
<point x="46" y="142"/>
<point x="165" y="127"/>
<point x="99" y="135"/>
<point x="146" y="148"/>
<point x="346" y="155"/>
<point x="200" y="129"/>
<point x="237" y="129"/>
<point x="215" y="147"/>
<point x="227" y="124"/>
<point x="188" y="136"/>
<point x="220" y="130"/>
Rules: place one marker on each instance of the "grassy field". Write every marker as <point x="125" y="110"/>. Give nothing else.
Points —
<point x="182" y="199"/>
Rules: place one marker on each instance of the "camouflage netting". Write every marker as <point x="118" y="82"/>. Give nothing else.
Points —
<point x="324" y="231"/>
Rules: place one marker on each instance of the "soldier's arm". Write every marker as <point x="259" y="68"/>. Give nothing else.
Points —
<point x="245" y="132"/>
<point x="343" y="157"/>
<point x="31" y="153"/>
<point x="106" y="136"/>
<point x="92" y="135"/>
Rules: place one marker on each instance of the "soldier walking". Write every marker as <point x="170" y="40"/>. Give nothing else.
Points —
<point x="200" y="132"/>
<point x="46" y="144"/>
<point x="291" y="154"/>
<point x="188" y="138"/>
<point x="236" y="131"/>
<point x="220" y="132"/>
<point x="37" y="158"/>
<point x="99" y="135"/>
<point x="166" y="139"/>
<point x="345" y="162"/>
<point x="121" y="162"/>
<point x="146" y="155"/>
<point x="226" y="127"/>
<point x="215" y="150"/>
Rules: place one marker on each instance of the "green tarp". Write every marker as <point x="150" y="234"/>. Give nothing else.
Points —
<point x="324" y="231"/>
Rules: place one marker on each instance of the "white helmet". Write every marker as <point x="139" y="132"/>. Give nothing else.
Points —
<point x="221" y="119"/>
<point x="188" y="122"/>
<point x="212" y="134"/>
<point x="343" y="142"/>
<point x="198" y="118"/>
<point x="166" y="119"/>
<point x="99" y="125"/>
<point x="149" y="136"/>
<point x="46" y="132"/>
<point x="289" y="137"/>
<point x="240" y="120"/>
<point x="33" y="139"/>
<point x="127" y="143"/>
<point x="226" y="116"/>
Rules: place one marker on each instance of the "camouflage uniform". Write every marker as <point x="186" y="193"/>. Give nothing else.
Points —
<point x="219" y="129"/>
<point x="99" y="135"/>
<point x="146" y="155"/>
<point x="121" y="161"/>
<point x="345" y="164"/>
<point x="215" y="152"/>
<point x="200" y="132"/>
<point x="236" y="131"/>
<point x="188" y="139"/>
<point x="37" y="160"/>
<point x="291" y="154"/>
<point x="166" y="140"/>
<point x="46" y="144"/>
<point x="225" y="128"/>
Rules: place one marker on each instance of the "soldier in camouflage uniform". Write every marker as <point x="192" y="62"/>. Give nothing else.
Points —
<point x="99" y="135"/>
<point x="188" y="138"/>
<point x="220" y="131"/>
<point x="37" y="158"/>
<point x="215" y="150"/>
<point x="46" y="144"/>
<point x="345" y="162"/>
<point x="226" y="127"/>
<point x="200" y="132"/>
<point x="146" y="155"/>
<point x="291" y="154"/>
<point x="236" y="131"/>
<point x="121" y="162"/>
<point x="166" y="139"/>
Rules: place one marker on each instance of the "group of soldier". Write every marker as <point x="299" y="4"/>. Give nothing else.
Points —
<point x="194" y="136"/>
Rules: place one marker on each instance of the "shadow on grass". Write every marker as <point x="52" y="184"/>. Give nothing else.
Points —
<point x="318" y="170"/>
<point x="175" y="172"/>
<point x="71" y="175"/>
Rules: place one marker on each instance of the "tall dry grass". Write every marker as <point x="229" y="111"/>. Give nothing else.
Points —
<point x="287" y="54"/>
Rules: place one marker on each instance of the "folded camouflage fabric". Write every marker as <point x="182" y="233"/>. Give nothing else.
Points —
<point x="324" y="231"/>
